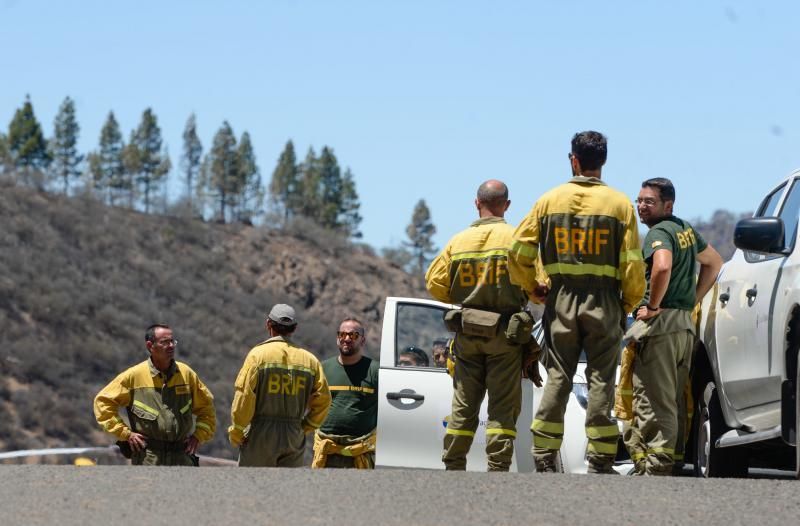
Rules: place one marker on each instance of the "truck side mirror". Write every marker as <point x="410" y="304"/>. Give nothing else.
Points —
<point x="760" y="234"/>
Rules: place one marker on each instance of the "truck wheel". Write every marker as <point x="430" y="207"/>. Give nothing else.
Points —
<point x="711" y="461"/>
<point x="797" y="425"/>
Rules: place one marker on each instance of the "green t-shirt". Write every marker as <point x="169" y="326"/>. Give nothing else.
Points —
<point x="354" y="389"/>
<point x="677" y="236"/>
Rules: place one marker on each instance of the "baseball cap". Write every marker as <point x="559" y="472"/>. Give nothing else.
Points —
<point x="283" y="314"/>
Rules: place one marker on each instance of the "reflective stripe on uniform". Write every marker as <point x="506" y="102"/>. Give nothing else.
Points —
<point x="630" y="255"/>
<point x="601" y="431"/>
<point x="582" y="269"/>
<point x="354" y="388"/>
<point x="625" y="392"/>
<point x="142" y="405"/>
<point x="287" y="367"/>
<point x="503" y="252"/>
<point x="548" y="427"/>
<point x="637" y="456"/>
<point x="238" y="428"/>
<point x="677" y="456"/>
<point x="500" y="431"/>
<point x="656" y="450"/>
<point x="460" y="432"/>
<point x="602" y="448"/>
<point x="546" y="443"/>
<point x="186" y="407"/>
<point x="205" y="426"/>
<point x="524" y="249"/>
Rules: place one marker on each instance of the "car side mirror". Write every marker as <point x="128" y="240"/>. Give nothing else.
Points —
<point x="760" y="234"/>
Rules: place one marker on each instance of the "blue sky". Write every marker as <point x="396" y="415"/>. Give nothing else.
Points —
<point x="429" y="99"/>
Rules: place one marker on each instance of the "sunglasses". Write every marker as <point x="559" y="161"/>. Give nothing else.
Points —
<point x="354" y="335"/>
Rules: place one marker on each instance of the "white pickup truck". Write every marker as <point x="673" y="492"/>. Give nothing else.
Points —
<point x="745" y="376"/>
<point x="414" y="402"/>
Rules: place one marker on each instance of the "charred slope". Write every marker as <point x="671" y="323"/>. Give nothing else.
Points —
<point x="80" y="281"/>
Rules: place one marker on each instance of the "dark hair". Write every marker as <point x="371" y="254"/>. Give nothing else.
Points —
<point x="591" y="149"/>
<point x="150" y="333"/>
<point x="281" y="330"/>
<point x="666" y="190"/>
<point x="419" y="355"/>
<point x="351" y="318"/>
<point x="440" y="343"/>
<point x="493" y="193"/>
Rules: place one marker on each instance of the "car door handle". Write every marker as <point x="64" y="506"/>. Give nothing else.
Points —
<point x="751" y="293"/>
<point x="399" y="396"/>
<point x="724" y="297"/>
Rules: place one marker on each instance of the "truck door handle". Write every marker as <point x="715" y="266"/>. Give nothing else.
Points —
<point x="724" y="297"/>
<point x="399" y="396"/>
<point x="751" y="293"/>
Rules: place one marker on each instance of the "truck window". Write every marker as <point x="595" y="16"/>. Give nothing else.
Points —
<point x="789" y="212"/>
<point x="770" y="203"/>
<point x="419" y="336"/>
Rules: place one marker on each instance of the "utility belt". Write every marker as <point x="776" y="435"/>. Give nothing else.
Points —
<point x="165" y="445"/>
<point x="486" y="323"/>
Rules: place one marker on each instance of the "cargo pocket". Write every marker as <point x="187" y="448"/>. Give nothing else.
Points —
<point x="146" y="418"/>
<point x="480" y="323"/>
<point x="519" y="329"/>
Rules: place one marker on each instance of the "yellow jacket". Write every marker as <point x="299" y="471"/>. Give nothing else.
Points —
<point x="586" y="234"/>
<point x="281" y="381"/>
<point x="354" y="447"/>
<point x="160" y="406"/>
<point x="472" y="269"/>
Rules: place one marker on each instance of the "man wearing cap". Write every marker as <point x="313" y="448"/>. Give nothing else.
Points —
<point x="347" y="438"/>
<point x="280" y="395"/>
<point x="160" y="396"/>
<point x="472" y="271"/>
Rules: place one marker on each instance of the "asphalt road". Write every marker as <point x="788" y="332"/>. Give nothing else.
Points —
<point x="67" y="495"/>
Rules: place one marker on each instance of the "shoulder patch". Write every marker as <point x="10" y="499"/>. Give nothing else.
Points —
<point x="655" y="244"/>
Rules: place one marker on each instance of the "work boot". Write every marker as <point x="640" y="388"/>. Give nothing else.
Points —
<point x="599" y="467"/>
<point x="546" y="466"/>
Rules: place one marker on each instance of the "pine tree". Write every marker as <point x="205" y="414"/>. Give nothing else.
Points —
<point x="224" y="169"/>
<point x="151" y="159"/>
<point x="349" y="218"/>
<point x="252" y="192"/>
<point x="5" y="154"/>
<point x="309" y="195"/>
<point x="201" y="189"/>
<point x="420" y="234"/>
<point x="27" y="145"/>
<point x="64" y="144"/>
<point x="192" y="155"/>
<point x="284" y="184"/>
<point x="111" y="175"/>
<point x="94" y="174"/>
<point x="132" y="164"/>
<point x="330" y="177"/>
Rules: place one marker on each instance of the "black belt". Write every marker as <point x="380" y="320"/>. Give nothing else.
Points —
<point x="165" y="445"/>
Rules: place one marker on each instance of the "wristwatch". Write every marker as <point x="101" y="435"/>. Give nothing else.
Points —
<point x="648" y="307"/>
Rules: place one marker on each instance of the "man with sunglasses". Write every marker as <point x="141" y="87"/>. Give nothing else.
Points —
<point x="347" y="437"/>
<point x="160" y="396"/>
<point x="672" y="250"/>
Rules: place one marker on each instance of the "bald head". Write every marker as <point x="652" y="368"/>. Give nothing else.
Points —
<point x="492" y="198"/>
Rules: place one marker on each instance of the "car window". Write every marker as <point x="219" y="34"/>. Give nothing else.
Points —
<point x="789" y="212"/>
<point x="420" y="336"/>
<point x="770" y="203"/>
<point x="768" y="208"/>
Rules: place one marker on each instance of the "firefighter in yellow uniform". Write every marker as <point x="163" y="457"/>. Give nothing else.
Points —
<point x="160" y="396"/>
<point x="587" y="238"/>
<point x="280" y="395"/>
<point x="472" y="271"/>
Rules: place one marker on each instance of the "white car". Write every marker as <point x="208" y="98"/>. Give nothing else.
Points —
<point x="746" y="378"/>
<point x="414" y="402"/>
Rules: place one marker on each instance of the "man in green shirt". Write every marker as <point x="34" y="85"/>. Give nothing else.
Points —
<point x="664" y="353"/>
<point x="347" y="437"/>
